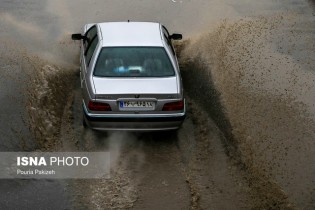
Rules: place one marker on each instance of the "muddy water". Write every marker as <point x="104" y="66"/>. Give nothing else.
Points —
<point x="262" y="69"/>
<point x="259" y="56"/>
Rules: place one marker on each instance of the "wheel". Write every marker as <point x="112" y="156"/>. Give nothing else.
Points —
<point x="83" y="122"/>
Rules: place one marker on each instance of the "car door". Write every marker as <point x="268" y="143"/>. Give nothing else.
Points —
<point x="171" y="47"/>
<point x="88" y="48"/>
<point x="169" y="44"/>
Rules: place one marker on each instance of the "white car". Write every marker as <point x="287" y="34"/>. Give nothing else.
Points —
<point x="130" y="77"/>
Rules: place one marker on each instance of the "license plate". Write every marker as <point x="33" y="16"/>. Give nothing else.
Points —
<point x="136" y="104"/>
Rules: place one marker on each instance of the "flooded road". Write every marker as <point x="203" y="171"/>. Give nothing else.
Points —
<point x="248" y="141"/>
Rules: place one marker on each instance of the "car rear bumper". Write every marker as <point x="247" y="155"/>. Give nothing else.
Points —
<point x="134" y="122"/>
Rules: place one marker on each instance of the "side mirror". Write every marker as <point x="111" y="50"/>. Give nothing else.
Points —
<point x="176" y="37"/>
<point x="77" y="37"/>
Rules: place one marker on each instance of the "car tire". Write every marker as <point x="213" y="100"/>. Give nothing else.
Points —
<point x="84" y="123"/>
<point x="172" y="132"/>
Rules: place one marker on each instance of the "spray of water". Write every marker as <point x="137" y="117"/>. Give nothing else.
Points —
<point x="262" y="89"/>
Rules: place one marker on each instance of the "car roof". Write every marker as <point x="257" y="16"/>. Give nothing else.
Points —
<point x="131" y="34"/>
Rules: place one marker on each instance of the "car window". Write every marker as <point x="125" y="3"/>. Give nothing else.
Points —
<point x="133" y="62"/>
<point x="90" y="43"/>
<point x="166" y="36"/>
<point x="90" y="34"/>
<point x="91" y="49"/>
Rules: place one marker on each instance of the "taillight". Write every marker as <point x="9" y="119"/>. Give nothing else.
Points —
<point x="97" y="106"/>
<point x="173" y="106"/>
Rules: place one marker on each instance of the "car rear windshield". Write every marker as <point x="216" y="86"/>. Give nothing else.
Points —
<point x="133" y="62"/>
